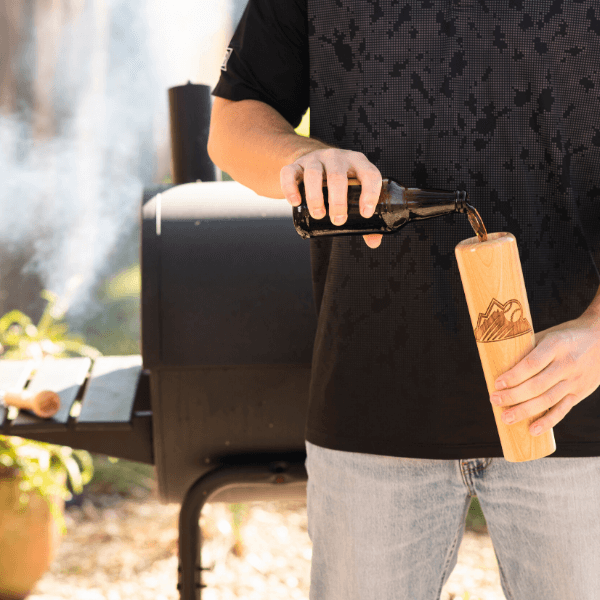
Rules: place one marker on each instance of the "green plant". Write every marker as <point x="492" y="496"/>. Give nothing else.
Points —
<point x="21" y="339"/>
<point x="40" y="468"/>
<point x="238" y="512"/>
<point x="475" y="519"/>
<point x="121" y="476"/>
<point x="43" y="468"/>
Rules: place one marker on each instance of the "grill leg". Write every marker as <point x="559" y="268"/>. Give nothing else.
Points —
<point x="190" y="563"/>
<point x="190" y="543"/>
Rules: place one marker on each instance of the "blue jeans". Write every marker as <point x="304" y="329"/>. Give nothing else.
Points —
<point x="386" y="528"/>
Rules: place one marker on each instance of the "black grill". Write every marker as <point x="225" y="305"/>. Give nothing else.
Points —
<point x="228" y="323"/>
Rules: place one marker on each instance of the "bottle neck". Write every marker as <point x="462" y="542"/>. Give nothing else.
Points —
<point x="425" y="204"/>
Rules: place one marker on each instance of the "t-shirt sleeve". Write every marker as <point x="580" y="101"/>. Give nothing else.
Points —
<point x="267" y="58"/>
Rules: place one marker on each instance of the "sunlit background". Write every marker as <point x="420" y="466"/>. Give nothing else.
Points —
<point x="84" y="127"/>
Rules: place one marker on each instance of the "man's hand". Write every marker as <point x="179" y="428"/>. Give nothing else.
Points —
<point x="337" y="166"/>
<point x="562" y="370"/>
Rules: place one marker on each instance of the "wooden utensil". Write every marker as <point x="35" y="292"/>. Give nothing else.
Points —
<point x="44" y="404"/>
<point x="495" y="291"/>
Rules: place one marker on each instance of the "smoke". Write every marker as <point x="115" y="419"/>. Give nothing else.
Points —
<point x="68" y="198"/>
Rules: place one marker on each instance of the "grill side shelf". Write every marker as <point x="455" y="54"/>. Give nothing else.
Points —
<point x="110" y="394"/>
<point x="14" y="374"/>
<point x="65" y="376"/>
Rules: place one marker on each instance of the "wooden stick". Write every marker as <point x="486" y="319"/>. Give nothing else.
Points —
<point x="44" y="404"/>
<point x="495" y="291"/>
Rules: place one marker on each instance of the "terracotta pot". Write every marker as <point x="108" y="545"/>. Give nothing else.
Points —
<point x="28" y="541"/>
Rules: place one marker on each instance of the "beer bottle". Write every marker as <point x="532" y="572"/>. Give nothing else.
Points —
<point x="397" y="205"/>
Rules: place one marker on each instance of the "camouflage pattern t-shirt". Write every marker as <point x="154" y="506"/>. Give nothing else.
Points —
<point x="500" y="98"/>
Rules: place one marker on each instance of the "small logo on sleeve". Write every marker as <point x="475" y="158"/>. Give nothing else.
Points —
<point x="226" y="58"/>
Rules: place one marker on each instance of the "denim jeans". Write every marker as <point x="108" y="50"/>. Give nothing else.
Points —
<point x="386" y="528"/>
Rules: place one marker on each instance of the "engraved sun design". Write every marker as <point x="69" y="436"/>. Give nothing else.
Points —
<point x="501" y="322"/>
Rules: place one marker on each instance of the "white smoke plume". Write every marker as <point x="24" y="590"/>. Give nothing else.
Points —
<point x="68" y="198"/>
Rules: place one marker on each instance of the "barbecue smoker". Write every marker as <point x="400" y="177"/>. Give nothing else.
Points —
<point x="228" y="323"/>
<point x="218" y="399"/>
<point x="227" y="330"/>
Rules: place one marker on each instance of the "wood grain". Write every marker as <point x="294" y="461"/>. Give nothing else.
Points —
<point x="497" y="299"/>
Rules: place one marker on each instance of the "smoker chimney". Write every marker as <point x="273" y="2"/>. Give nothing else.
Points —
<point x="189" y="107"/>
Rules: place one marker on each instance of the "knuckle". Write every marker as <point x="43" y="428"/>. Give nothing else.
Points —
<point x="570" y="358"/>
<point x="370" y="199"/>
<point x="532" y="362"/>
<point x="371" y="186"/>
<point x="329" y="154"/>
<point x="373" y="173"/>
<point x="506" y="398"/>
<point x="314" y="197"/>
<point x="306" y="157"/>
<point x="338" y="189"/>
<point x="570" y="401"/>
<point x="360" y="157"/>
<point x="313" y="167"/>
<point x="314" y="202"/>
<point x="562" y="410"/>
<point x="287" y="187"/>
<point x="336" y="175"/>
<point x="338" y="205"/>
<point x="287" y="178"/>
<point x="547" y="401"/>
<point x="541" y="387"/>
<point x="291" y="195"/>
<point x="288" y="173"/>
<point x="365" y="165"/>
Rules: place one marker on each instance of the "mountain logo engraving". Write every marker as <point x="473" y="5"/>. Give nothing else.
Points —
<point x="501" y="322"/>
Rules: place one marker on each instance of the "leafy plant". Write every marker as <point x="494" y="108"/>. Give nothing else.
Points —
<point x="43" y="468"/>
<point x="475" y="519"/>
<point x="21" y="339"/>
<point x="238" y="512"/>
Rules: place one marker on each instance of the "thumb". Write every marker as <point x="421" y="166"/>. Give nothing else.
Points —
<point x="373" y="239"/>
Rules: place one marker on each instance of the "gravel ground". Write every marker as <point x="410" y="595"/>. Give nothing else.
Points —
<point x="126" y="548"/>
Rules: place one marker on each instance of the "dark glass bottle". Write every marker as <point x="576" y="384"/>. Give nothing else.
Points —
<point x="397" y="206"/>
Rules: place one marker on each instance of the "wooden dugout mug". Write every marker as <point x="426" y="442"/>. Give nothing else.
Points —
<point x="44" y="404"/>
<point x="495" y="291"/>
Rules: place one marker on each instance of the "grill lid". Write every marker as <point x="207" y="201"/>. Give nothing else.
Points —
<point x="226" y="279"/>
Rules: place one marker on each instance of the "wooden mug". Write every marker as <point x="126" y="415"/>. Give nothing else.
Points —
<point x="44" y="404"/>
<point x="495" y="291"/>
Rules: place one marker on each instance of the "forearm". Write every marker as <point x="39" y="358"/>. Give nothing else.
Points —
<point x="252" y="142"/>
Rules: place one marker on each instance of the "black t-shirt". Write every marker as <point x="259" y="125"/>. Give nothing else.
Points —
<point x="267" y="58"/>
<point x="498" y="98"/>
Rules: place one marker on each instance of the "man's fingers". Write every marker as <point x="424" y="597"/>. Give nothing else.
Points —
<point x="530" y="388"/>
<point x="371" y="182"/>
<point x="313" y="186"/>
<point x="289" y="177"/>
<point x="373" y="239"/>
<point x="537" y="360"/>
<point x="333" y="167"/>
<point x="337" y="191"/>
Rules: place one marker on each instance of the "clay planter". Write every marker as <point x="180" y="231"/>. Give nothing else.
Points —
<point x="28" y="541"/>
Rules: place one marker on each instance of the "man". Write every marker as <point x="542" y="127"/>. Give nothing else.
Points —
<point x="497" y="98"/>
